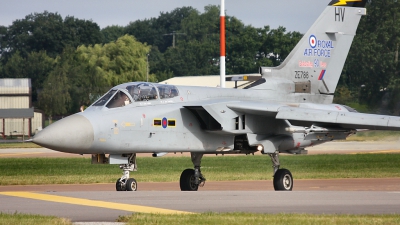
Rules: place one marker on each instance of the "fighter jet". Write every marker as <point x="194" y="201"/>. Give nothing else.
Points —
<point x="288" y="109"/>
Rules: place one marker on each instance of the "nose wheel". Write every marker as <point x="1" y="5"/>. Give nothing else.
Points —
<point x="131" y="185"/>
<point x="120" y="185"/>
<point x="125" y="183"/>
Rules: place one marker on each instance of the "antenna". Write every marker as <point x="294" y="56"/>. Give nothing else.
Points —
<point x="222" y="45"/>
<point x="173" y="37"/>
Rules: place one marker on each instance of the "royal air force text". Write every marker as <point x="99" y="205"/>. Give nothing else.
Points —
<point x="323" y="48"/>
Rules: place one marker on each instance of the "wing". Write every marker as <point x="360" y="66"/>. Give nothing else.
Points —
<point x="307" y="116"/>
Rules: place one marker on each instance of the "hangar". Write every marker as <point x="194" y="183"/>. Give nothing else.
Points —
<point x="17" y="115"/>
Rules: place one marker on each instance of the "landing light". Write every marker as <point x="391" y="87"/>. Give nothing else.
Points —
<point x="260" y="147"/>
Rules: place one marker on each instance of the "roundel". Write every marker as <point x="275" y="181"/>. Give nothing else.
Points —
<point x="313" y="41"/>
<point x="164" y="122"/>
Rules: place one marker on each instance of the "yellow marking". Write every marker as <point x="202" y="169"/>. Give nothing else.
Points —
<point x="116" y="130"/>
<point x="127" y="124"/>
<point x="102" y="140"/>
<point x="17" y="154"/>
<point x="344" y="2"/>
<point x="157" y="122"/>
<point x="93" y="203"/>
<point x="170" y="121"/>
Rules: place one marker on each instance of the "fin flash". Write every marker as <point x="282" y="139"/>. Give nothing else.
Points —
<point x="344" y="2"/>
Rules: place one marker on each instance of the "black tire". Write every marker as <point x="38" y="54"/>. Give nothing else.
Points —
<point x="283" y="180"/>
<point x="131" y="185"/>
<point x="119" y="186"/>
<point x="187" y="181"/>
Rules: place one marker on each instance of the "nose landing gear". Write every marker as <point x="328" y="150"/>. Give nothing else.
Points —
<point x="125" y="183"/>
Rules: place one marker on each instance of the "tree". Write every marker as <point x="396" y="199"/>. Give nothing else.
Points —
<point x="122" y="61"/>
<point x="3" y="32"/>
<point x="80" y="32"/>
<point x="38" y="31"/>
<point x="49" y="32"/>
<point x="202" y="26"/>
<point x="112" y="33"/>
<point x="55" y="98"/>
<point x="279" y="43"/>
<point x="15" y="66"/>
<point x="247" y="47"/>
<point x="371" y="69"/>
<point x="38" y="66"/>
<point x="154" y="31"/>
<point x="197" y="51"/>
<point x="85" y="81"/>
<point x="156" y="65"/>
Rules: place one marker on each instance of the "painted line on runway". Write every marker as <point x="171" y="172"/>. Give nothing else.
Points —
<point x="18" y="154"/>
<point x="93" y="203"/>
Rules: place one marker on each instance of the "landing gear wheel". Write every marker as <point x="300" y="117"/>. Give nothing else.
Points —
<point x="131" y="185"/>
<point x="187" y="181"/>
<point x="283" y="180"/>
<point x="120" y="185"/>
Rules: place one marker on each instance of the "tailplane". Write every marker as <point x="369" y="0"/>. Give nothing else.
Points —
<point x="315" y="64"/>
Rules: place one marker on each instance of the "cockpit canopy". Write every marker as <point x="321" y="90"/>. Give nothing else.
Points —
<point x="125" y="94"/>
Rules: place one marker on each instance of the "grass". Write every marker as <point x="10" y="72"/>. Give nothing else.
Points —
<point x="27" y="171"/>
<point x="19" y="145"/>
<point x="215" y="218"/>
<point x="373" y="135"/>
<point x="254" y="218"/>
<point x="27" y="219"/>
<point x="359" y="107"/>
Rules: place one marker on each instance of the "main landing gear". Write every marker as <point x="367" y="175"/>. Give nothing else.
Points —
<point x="125" y="183"/>
<point x="191" y="179"/>
<point x="283" y="179"/>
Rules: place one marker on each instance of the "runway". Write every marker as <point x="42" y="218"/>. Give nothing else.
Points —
<point x="107" y="206"/>
<point x="99" y="202"/>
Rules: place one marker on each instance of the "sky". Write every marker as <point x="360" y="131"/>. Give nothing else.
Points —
<point x="295" y="15"/>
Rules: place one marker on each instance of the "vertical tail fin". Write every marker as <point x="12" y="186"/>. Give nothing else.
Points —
<point x="318" y="58"/>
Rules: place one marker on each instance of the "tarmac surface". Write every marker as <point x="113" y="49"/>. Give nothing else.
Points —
<point x="107" y="206"/>
<point x="99" y="202"/>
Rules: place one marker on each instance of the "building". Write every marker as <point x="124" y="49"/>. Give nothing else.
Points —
<point x="17" y="115"/>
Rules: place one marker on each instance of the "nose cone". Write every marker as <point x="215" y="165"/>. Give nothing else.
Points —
<point x="72" y="134"/>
